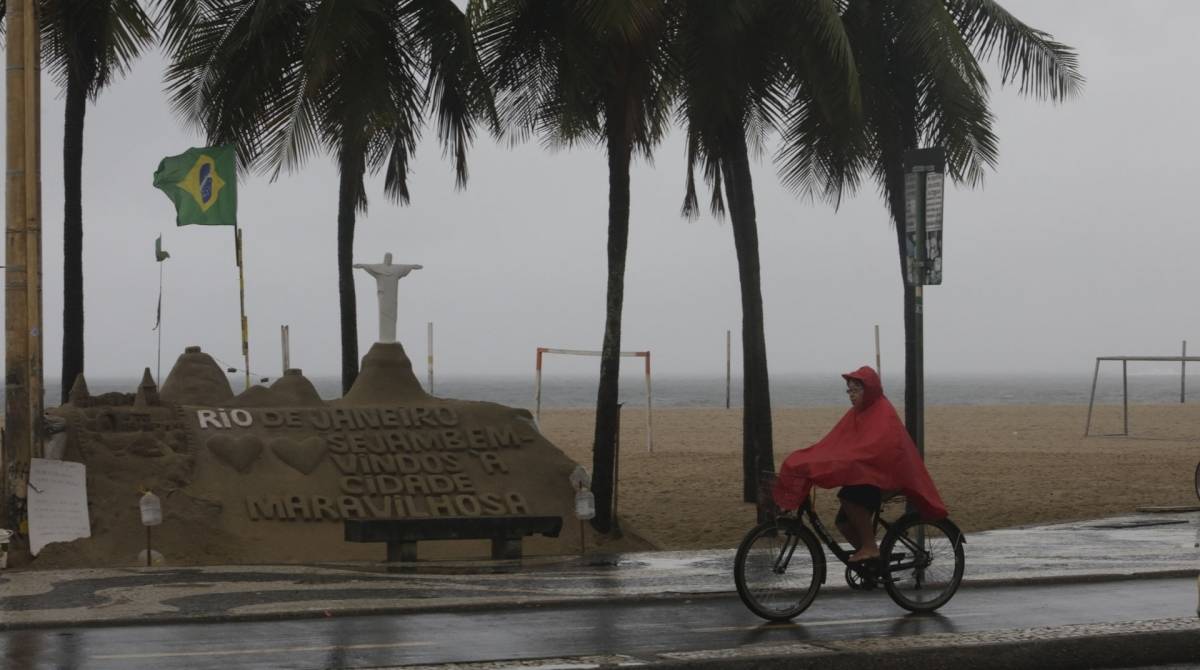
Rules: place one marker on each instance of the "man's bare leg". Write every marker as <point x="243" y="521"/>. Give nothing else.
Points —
<point x="861" y="523"/>
<point x="848" y="531"/>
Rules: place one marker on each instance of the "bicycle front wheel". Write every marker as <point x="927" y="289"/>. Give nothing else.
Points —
<point x="924" y="563"/>
<point x="778" y="570"/>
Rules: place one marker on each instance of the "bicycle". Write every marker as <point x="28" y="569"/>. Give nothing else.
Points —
<point x="780" y="567"/>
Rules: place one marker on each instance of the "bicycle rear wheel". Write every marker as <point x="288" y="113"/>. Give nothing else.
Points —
<point x="924" y="563"/>
<point x="778" y="570"/>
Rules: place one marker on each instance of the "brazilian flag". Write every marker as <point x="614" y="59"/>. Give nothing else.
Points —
<point x="202" y="182"/>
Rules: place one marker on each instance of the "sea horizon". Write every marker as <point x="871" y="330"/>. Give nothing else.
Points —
<point x="787" y="390"/>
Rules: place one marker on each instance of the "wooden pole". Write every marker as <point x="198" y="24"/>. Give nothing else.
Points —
<point x="23" y="268"/>
<point x="33" y="218"/>
<point x="430" y="359"/>
<point x="878" y="360"/>
<point x="241" y="298"/>
<point x="728" y="376"/>
<point x="537" y="387"/>
<point x="1183" y="375"/>
<point x="1125" y="394"/>
<point x="649" y="409"/>
<point x="286" y="348"/>
<point x="158" y="357"/>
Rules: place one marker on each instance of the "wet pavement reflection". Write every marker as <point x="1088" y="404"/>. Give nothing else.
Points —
<point x="638" y="629"/>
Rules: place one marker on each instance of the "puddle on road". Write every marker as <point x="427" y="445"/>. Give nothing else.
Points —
<point x="1137" y="523"/>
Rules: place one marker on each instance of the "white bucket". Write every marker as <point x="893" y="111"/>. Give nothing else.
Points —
<point x="5" y="536"/>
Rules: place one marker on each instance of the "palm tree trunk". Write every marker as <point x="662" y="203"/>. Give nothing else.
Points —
<point x="72" y="342"/>
<point x="604" y="447"/>
<point x="350" y="166"/>
<point x="757" y="450"/>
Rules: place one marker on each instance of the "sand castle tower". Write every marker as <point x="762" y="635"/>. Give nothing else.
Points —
<point x="147" y="392"/>
<point x="196" y="379"/>
<point x="293" y="389"/>
<point x="386" y="377"/>
<point x="296" y="389"/>
<point x="79" y="395"/>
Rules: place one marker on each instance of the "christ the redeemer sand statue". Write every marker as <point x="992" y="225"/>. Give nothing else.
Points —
<point x="386" y="277"/>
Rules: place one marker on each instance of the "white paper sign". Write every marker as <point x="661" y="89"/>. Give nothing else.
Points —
<point x="57" y="503"/>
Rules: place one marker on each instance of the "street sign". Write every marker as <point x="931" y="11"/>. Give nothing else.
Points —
<point x="924" y="179"/>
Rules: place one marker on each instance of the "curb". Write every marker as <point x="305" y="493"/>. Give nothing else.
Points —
<point x="1103" y="650"/>
<point x="1135" y="643"/>
<point x="1153" y="642"/>
<point x="548" y="601"/>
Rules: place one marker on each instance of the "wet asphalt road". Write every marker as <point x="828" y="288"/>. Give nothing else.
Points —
<point x="634" y="629"/>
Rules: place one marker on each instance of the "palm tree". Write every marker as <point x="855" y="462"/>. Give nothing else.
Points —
<point x="86" y="45"/>
<point x="748" y="67"/>
<point x="354" y="77"/>
<point x="921" y="83"/>
<point x="582" y="71"/>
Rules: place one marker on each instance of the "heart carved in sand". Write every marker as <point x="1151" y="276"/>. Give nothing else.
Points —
<point x="303" y="456"/>
<point x="238" y="454"/>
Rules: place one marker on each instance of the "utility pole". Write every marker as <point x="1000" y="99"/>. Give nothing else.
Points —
<point x="23" y="394"/>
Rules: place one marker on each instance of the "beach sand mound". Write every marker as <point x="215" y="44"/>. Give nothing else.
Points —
<point x="196" y="379"/>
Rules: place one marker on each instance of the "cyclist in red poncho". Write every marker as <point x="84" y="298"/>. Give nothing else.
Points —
<point x="867" y="452"/>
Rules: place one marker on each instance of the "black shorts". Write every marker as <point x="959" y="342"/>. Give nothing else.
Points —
<point x="863" y="495"/>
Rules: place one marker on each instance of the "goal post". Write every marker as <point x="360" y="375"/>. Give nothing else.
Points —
<point x="537" y="393"/>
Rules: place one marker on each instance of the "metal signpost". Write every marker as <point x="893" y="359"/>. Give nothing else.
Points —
<point x="924" y="174"/>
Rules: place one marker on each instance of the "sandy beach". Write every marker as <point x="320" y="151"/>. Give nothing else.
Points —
<point x="996" y="466"/>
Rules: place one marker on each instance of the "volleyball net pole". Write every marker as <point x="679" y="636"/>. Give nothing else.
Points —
<point x="537" y="392"/>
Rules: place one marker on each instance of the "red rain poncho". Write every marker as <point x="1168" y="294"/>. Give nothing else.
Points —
<point x="867" y="446"/>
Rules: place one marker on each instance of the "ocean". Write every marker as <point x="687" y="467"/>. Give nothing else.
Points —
<point x="787" y="390"/>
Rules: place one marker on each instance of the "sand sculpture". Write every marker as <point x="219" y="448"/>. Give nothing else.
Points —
<point x="269" y="474"/>
<point x="387" y="276"/>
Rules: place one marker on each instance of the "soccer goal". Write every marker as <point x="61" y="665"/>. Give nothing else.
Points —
<point x="541" y="351"/>
<point x="1125" y="360"/>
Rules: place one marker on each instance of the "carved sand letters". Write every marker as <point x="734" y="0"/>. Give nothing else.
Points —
<point x="381" y="462"/>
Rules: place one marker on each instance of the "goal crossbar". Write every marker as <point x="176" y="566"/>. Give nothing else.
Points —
<point x="541" y="351"/>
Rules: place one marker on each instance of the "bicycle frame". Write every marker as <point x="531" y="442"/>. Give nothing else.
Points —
<point x="867" y="568"/>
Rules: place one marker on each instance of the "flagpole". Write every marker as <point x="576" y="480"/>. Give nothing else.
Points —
<point x="158" y="364"/>
<point x="237" y="239"/>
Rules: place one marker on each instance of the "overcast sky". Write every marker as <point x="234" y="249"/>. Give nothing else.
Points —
<point x="1082" y="243"/>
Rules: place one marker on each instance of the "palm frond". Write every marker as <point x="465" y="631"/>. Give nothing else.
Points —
<point x="1044" y="68"/>
<point x="456" y="86"/>
<point x="952" y="91"/>
<point x="88" y="42"/>
<point x="824" y="144"/>
<point x="565" y="69"/>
